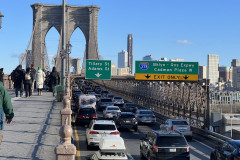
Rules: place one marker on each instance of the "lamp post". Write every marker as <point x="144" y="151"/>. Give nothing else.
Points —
<point x="69" y="49"/>
<point x="1" y="20"/>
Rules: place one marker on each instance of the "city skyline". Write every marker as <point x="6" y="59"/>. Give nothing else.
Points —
<point x="174" y="29"/>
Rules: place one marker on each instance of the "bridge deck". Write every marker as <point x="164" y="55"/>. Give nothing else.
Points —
<point x="34" y="131"/>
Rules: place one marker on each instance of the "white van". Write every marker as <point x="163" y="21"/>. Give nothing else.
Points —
<point x="111" y="147"/>
<point x="87" y="100"/>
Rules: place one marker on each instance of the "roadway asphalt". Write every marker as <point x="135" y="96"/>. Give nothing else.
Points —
<point x="198" y="150"/>
<point x="35" y="128"/>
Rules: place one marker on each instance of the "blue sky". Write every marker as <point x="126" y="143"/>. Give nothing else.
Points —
<point x="185" y="29"/>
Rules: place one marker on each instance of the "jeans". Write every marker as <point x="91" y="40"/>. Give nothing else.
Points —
<point x="28" y="89"/>
<point x="18" y="89"/>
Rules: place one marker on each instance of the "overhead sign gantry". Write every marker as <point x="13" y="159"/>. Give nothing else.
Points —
<point x="166" y="70"/>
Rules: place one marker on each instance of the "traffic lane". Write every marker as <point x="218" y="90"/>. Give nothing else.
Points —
<point x="199" y="151"/>
<point x="132" y="141"/>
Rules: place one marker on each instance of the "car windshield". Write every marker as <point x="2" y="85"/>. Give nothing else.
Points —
<point x="104" y="127"/>
<point x="106" y="100"/>
<point x="179" y="123"/>
<point x="87" y="110"/>
<point x="117" y="98"/>
<point x="113" y="109"/>
<point x="127" y="116"/>
<point x="145" y="112"/>
<point x="169" y="141"/>
<point x="131" y="105"/>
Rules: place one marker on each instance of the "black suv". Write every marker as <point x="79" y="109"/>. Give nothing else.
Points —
<point x="170" y="145"/>
<point x="85" y="115"/>
<point x="126" y="120"/>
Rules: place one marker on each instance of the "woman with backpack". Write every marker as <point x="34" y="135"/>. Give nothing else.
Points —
<point x="28" y="79"/>
<point x="40" y="77"/>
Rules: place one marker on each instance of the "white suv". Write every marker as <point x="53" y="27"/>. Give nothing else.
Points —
<point x="97" y="128"/>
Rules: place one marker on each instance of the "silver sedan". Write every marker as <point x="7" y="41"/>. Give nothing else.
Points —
<point x="145" y="116"/>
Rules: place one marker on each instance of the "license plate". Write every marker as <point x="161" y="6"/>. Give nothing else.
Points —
<point x="172" y="149"/>
<point x="127" y="121"/>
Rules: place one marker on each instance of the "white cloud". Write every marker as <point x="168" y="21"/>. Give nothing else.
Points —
<point x="184" y="42"/>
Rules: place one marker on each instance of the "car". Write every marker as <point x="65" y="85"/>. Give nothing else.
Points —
<point x="97" y="128"/>
<point x="111" y="148"/>
<point x="111" y="112"/>
<point x="104" y="93"/>
<point x="87" y="100"/>
<point x="227" y="150"/>
<point x="103" y="103"/>
<point x="145" y="116"/>
<point x="164" y="145"/>
<point x="85" y="115"/>
<point x="126" y="120"/>
<point x="118" y="101"/>
<point x="110" y="96"/>
<point x="130" y="107"/>
<point x="98" y="97"/>
<point x="178" y="124"/>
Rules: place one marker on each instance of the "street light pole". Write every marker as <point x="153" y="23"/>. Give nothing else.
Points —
<point x="231" y="111"/>
<point x="63" y="77"/>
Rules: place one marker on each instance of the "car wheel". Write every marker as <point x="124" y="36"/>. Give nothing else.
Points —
<point x="212" y="157"/>
<point x="88" y="146"/>
<point x="190" y="138"/>
<point x="141" y="156"/>
<point x="149" y="157"/>
<point x="135" y="128"/>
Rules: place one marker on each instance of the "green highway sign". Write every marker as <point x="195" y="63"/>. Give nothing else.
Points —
<point x="98" y="69"/>
<point x="166" y="70"/>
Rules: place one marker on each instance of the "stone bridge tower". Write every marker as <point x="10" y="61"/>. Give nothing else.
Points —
<point x="48" y="16"/>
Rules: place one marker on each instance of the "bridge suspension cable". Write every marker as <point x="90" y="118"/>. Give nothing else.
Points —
<point x="34" y="28"/>
<point x="59" y="49"/>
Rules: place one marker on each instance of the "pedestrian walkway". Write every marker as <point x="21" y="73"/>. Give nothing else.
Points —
<point x="35" y="129"/>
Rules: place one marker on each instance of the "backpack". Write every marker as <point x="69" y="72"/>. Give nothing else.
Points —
<point x="27" y="76"/>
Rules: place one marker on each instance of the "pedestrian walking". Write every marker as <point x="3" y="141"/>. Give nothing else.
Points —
<point x="1" y="75"/>
<point x="18" y="77"/>
<point x="28" y="79"/>
<point x="33" y="73"/>
<point x="54" y="79"/>
<point x="5" y="107"/>
<point x="40" y="77"/>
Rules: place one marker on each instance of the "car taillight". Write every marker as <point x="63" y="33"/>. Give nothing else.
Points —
<point x="190" y="128"/>
<point x="108" y="112"/>
<point x="172" y="128"/>
<point x="116" y="133"/>
<point x="237" y="157"/>
<point x="80" y="116"/>
<point x="140" y="116"/>
<point x="93" y="132"/>
<point x="78" y="106"/>
<point x="155" y="148"/>
<point x="188" y="148"/>
<point x="94" y="116"/>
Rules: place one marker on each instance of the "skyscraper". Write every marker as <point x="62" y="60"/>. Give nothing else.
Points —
<point x="123" y="59"/>
<point x="235" y="63"/>
<point x="212" y="68"/>
<point x="130" y="53"/>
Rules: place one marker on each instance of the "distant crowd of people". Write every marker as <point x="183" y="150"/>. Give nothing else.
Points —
<point x="32" y="79"/>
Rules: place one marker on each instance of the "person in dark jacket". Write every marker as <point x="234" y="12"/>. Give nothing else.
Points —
<point x="1" y="74"/>
<point x="18" y="77"/>
<point x="5" y="107"/>
<point x="54" y="79"/>
<point x="28" y="80"/>
<point x="33" y="72"/>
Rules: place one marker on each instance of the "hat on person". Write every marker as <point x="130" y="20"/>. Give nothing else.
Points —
<point x="39" y="68"/>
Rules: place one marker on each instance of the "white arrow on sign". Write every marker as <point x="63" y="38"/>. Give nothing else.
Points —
<point x="98" y="75"/>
